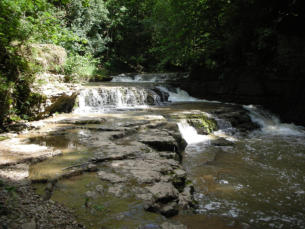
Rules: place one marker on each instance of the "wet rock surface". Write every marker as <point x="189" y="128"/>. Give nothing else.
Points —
<point x="18" y="150"/>
<point x="58" y="95"/>
<point x="238" y="117"/>
<point x="142" y="156"/>
<point x="140" y="159"/>
<point x="149" y="161"/>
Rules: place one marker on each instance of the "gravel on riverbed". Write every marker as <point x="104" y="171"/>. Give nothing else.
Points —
<point x="22" y="208"/>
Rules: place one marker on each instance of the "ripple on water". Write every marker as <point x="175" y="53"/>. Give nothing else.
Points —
<point x="267" y="177"/>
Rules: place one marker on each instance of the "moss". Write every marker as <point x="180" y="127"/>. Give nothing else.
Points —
<point x="201" y="121"/>
<point x="76" y="103"/>
<point x="2" y="138"/>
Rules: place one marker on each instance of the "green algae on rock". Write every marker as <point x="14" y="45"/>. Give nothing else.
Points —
<point x="202" y="123"/>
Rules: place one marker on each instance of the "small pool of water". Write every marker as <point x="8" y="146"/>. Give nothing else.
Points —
<point x="102" y="209"/>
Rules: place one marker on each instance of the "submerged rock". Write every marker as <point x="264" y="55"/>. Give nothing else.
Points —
<point x="167" y="200"/>
<point x="168" y="225"/>
<point x="118" y="190"/>
<point x="221" y="142"/>
<point x="111" y="177"/>
<point x="91" y="194"/>
<point x="82" y="120"/>
<point x="163" y="192"/>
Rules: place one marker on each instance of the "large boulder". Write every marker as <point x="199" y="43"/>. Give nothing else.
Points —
<point x="59" y="96"/>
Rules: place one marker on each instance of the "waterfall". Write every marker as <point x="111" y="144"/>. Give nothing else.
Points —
<point x="103" y="99"/>
<point x="119" y="95"/>
<point x="150" y="77"/>
<point x="178" y="95"/>
<point x="270" y="124"/>
<point x="190" y="134"/>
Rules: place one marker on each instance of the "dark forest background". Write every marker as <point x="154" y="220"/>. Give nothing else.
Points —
<point x="247" y="51"/>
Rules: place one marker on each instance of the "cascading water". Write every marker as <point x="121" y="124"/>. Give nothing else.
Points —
<point x="124" y="95"/>
<point x="150" y="77"/>
<point x="230" y="181"/>
<point x="190" y="134"/>
<point x="197" y="142"/>
<point x="229" y="168"/>
<point x="178" y="95"/>
<point x="103" y="99"/>
<point x="270" y="124"/>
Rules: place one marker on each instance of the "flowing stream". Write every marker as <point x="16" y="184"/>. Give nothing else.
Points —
<point x="254" y="180"/>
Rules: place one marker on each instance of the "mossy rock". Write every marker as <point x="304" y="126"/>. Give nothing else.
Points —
<point x="2" y="138"/>
<point x="202" y="123"/>
<point x="62" y="104"/>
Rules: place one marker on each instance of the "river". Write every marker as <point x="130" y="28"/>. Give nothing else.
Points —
<point x="242" y="178"/>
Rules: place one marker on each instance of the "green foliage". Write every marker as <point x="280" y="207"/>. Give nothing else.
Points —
<point x="89" y="21"/>
<point x="130" y="34"/>
<point x="24" y="22"/>
<point x="220" y="36"/>
<point x="80" y="68"/>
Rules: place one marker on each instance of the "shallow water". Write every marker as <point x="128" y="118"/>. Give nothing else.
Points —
<point x="259" y="181"/>
<point x="103" y="210"/>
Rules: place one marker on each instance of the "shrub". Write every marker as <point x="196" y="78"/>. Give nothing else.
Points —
<point x="80" y="68"/>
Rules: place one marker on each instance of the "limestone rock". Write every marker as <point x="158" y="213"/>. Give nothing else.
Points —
<point x="99" y="188"/>
<point x="91" y="194"/>
<point x="118" y="190"/>
<point x="168" y="225"/>
<point x="221" y="142"/>
<point x="111" y="177"/>
<point x="163" y="192"/>
<point x="159" y="140"/>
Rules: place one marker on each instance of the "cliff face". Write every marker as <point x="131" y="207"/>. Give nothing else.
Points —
<point x="283" y="95"/>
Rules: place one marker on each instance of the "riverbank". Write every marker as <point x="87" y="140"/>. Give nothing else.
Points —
<point x="20" y="205"/>
<point x="22" y="208"/>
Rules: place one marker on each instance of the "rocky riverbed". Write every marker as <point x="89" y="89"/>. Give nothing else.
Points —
<point x="137" y="156"/>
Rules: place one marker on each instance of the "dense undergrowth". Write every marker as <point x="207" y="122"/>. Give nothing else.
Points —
<point x="223" y="37"/>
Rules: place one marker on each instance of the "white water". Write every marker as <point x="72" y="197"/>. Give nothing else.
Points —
<point x="190" y="134"/>
<point x="122" y="78"/>
<point x="270" y="124"/>
<point x="196" y="143"/>
<point x="104" y="99"/>
<point x="175" y="95"/>
<point x="178" y="95"/>
<point x="151" y="77"/>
